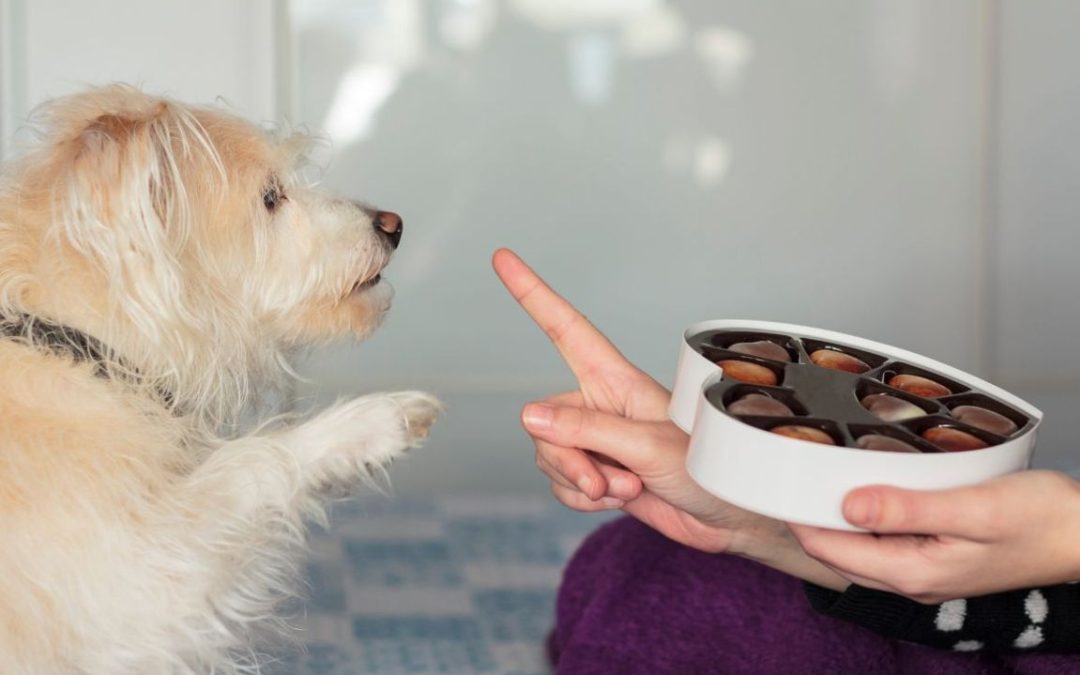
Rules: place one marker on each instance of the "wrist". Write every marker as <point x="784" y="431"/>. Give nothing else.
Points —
<point x="772" y="544"/>
<point x="761" y="539"/>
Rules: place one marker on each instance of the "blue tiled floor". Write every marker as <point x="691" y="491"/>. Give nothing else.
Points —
<point x="460" y="585"/>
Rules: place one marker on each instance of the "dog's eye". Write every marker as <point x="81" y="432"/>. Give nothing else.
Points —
<point x="272" y="195"/>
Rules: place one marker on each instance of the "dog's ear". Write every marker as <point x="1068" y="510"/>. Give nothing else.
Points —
<point x="125" y="185"/>
<point x="123" y="192"/>
<point x="121" y="174"/>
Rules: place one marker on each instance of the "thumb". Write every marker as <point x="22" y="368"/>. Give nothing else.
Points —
<point x="960" y="512"/>
<point x="637" y="445"/>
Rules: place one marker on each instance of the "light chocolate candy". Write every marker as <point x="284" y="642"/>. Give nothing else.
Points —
<point x="884" y="444"/>
<point x="759" y="404"/>
<point x="765" y="349"/>
<point x="890" y="408"/>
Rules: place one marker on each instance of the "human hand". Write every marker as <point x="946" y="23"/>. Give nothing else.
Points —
<point x="669" y="501"/>
<point x="607" y="382"/>
<point x="1018" y="531"/>
<point x="606" y="379"/>
<point x="619" y="416"/>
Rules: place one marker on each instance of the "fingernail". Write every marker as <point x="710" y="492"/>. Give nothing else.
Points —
<point x="585" y="484"/>
<point x="538" y="415"/>
<point x="862" y="508"/>
<point x="612" y="503"/>
<point x="620" y="487"/>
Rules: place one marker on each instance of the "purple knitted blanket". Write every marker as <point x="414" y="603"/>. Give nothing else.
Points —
<point x="634" y="603"/>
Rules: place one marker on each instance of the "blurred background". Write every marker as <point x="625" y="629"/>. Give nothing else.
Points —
<point x="904" y="170"/>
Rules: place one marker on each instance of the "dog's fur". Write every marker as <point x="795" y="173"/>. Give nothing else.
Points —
<point x="135" y="535"/>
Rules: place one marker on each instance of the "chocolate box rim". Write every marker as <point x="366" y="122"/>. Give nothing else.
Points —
<point x="845" y="339"/>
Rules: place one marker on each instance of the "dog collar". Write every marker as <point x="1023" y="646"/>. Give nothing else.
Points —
<point x="58" y="338"/>
<point x="65" y="341"/>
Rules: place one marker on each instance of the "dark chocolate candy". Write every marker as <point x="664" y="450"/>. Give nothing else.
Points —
<point x="802" y="433"/>
<point x="744" y="371"/>
<point x="918" y="385"/>
<point x="953" y="440"/>
<point x="984" y="419"/>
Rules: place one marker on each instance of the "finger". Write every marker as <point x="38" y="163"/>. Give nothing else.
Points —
<point x="642" y="447"/>
<point x="967" y="512"/>
<point x="621" y="484"/>
<point x="894" y="563"/>
<point x="579" y="502"/>
<point x="552" y="474"/>
<point x="602" y="460"/>
<point x="573" y="466"/>
<point x="581" y="345"/>
<point x="814" y="545"/>
<point x="566" y="466"/>
<point x="573" y="398"/>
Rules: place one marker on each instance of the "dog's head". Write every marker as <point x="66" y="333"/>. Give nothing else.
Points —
<point x="182" y="235"/>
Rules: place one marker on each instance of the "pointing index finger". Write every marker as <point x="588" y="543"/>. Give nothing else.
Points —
<point x="578" y="341"/>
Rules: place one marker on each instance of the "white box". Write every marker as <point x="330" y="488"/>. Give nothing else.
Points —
<point x="804" y="482"/>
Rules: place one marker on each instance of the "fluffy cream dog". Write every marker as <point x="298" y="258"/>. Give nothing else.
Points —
<point x="157" y="263"/>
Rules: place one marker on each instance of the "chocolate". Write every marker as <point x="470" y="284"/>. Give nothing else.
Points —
<point x="765" y="349"/>
<point x="802" y="433"/>
<point x="884" y="444"/>
<point x="744" y="371"/>
<point x="984" y="419"/>
<point x="830" y="358"/>
<point x="918" y="385"/>
<point x="759" y="404"/>
<point x="890" y="408"/>
<point x="953" y="440"/>
<point x="836" y="393"/>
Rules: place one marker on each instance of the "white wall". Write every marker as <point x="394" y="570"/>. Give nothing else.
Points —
<point x="1037" y="286"/>
<point x="197" y="50"/>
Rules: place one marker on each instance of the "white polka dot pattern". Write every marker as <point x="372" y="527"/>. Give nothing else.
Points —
<point x="950" y="616"/>
<point x="1037" y="609"/>
<point x="967" y="646"/>
<point x="1031" y="637"/>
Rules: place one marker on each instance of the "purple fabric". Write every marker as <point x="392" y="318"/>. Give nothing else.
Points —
<point x="633" y="602"/>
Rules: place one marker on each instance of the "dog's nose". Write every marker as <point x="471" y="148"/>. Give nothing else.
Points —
<point x="390" y="224"/>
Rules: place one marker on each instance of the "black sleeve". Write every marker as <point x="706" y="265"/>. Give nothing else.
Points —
<point x="1033" y="620"/>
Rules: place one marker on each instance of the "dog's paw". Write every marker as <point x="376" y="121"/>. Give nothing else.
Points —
<point x="359" y="435"/>
<point x="419" y="411"/>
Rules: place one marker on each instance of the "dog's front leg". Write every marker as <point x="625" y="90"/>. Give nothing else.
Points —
<point x="284" y="470"/>
<point x="242" y="510"/>
<point x="358" y="437"/>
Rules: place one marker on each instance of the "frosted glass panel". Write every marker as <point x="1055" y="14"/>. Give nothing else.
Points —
<point x="1039" y="280"/>
<point x="662" y="163"/>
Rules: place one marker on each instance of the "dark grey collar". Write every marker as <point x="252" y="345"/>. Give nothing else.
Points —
<point x="60" y="339"/>
<point x="65" y="341"/>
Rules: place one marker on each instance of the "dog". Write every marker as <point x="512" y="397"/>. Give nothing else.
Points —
<point x="159" y="264"/>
